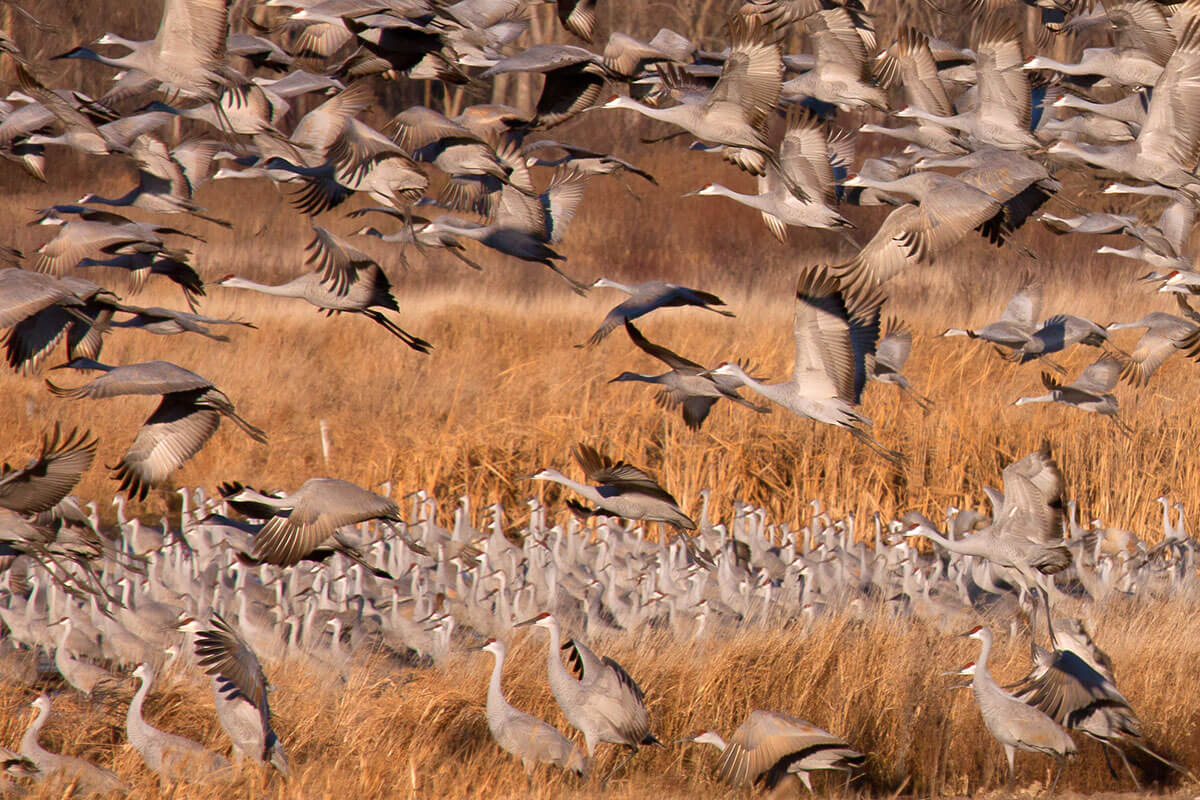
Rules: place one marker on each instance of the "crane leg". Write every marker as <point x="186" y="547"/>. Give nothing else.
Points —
<point x="1128" y="767"/>
<point x="614" y="770"/>
<point x="1049" y="622"/>
<point x="1010" y="753"/>
<point x="1057" y="773"/>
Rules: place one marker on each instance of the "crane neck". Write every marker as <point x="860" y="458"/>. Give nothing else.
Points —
<point x="30" y="746"/>
<point x="495" y="696"/>
<point x="289" y="289"/>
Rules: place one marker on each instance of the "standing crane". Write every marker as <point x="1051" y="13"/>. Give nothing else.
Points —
<point x="1015" y="725"/>
<point x="602" y="700"/>
<point x="524" y="735"/>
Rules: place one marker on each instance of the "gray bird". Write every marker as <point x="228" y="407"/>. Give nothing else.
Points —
<point x="769" y="746"/>
<point x="648" y="296"/>
<point x="186" y="418"/>
<point x="240" y="693"/>
<point x="886" y="364"/>
<point x="1015" y="725"/>
<point x="687" y="384"/>
<point x="623" y="491"/>
<point x="524" y="735"/>
<point x="601" y="699"/>
<point x="1091" y="391"/>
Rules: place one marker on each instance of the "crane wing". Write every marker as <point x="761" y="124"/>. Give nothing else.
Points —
<point x="830" y="346"/>
<point x="223" y="653"/>
<point x="618" y="474"/>
<point x="174" y="433"/>
<point x="765" y="738"/>
<point x="46" y="480"/>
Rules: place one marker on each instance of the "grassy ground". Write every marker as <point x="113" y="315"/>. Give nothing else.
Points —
<point x="506" y="391"/>
<point x="391" y="732"/>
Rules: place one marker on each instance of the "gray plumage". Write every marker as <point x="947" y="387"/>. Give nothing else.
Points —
<point x="769" y="745"/>
<point x="648" y="296"/>
<point x="175" y="759"/>
<point x="886" y="364"/>
<point x="687" y="384"/>
<point x="524" y="735"/>
<point x="87" y="777"/>
<point x="600" y="699"/>
<point x="240" y="694"/>
<point x="1091" y="391"/>
<point x="186" y="418"/>
<point x="1014" y="724"/>
<point x="623" y="490"/>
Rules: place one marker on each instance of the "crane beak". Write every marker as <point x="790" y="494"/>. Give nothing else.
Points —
<point x="684" y="740"/>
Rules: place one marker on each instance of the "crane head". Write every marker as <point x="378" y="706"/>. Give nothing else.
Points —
<point x="42" y="703"/>
<point x="541" y="620"/>
<point x="974" y="633"/>
<point x="614" y="101"/>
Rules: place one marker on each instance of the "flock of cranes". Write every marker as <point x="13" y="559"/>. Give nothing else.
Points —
<point x="321" y="573"/>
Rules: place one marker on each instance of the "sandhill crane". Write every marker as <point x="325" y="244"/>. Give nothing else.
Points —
<point x="770" y="746"/>
<point x="98" y="231"/>
<point x="1026" y="533"/>
<point x="1091" y="391"/>
<point x="1074" y="686"/>
<point x="164" y="185"/>
<point x="602" y="700"/>
<point x="809" y="157"/>
<point x="582" y="159"/>
<point x="80" y="321"/>
<point x="1056" y="334"/>
<point x="344" y="280"/>
<point x="524" y="735"/>
<point x="142" y="265"/>
<point x="945" y="210"/>
<point x="624" y="490"/>
<point x="1016" y="324"/>
<point x="525" y="223"/>
<point x="425" y="236"/>
<point x="829" y="369"/>
<point x="186" y="418"/>
<point x="735" y="114"/>
<point x="575" y="76"/>
<point x="686" y="384"/>
<point x="240" y="694"/>
<point x="311" y="516"/>
<point x="648" y="296"/>
<point x="1091" y="222"/>
<point x="472" y="166"/>
<point x="78" y="131"/>
<point x="173" y="758"/>
<point x="1168" y="143"/>
<point x="886" y="364"/>
<point x="841" y="64"/>
<point x="1015" y="725"/>
<point x="169" y="322"/>
<point x="910" y="63"/>
<point x="86" y="777"/>
<point x="43" y="483"/>
<point x="186" y="55"/>
<point x="1165" y="335"/>
<point x="86" y="678"/>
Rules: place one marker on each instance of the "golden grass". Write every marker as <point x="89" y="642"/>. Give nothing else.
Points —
<point x="505" y="392"/>
<point x="391" y="732"/>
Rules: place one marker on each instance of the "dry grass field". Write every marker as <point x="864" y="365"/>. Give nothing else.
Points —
<point x="506" y="391"/>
